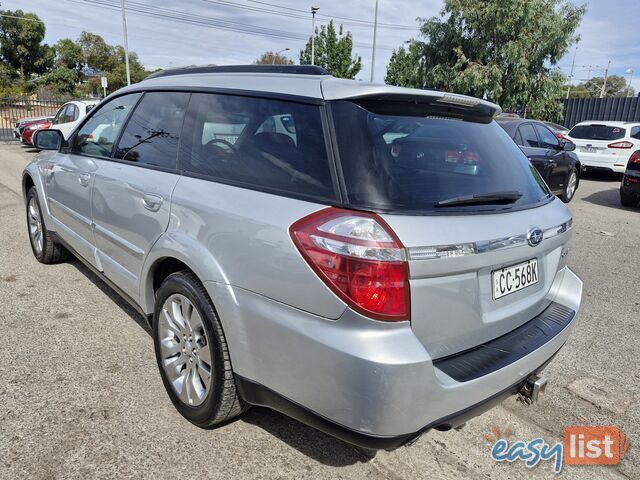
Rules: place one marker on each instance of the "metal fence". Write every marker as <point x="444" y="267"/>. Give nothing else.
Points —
<point x="14" y="109"/>
<point x="577" y="110"/>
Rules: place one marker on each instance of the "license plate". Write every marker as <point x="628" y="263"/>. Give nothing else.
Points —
<point x="516" y="277"/>
<point x="590" y="149"/>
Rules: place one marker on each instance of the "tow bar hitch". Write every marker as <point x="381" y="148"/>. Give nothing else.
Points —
<point x="532" y="389"/>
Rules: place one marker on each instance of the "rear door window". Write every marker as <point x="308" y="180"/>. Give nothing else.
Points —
<point x="529" y="137"/>
<point x="547" y="138"/>
<point x="267" y="144"/>
<point x="597" y="132"/>
<point x="152" y="134"/>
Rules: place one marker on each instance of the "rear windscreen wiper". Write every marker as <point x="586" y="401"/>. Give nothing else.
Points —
<point x="498" y="198"/>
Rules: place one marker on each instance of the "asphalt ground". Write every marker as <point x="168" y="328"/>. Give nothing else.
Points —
<point x="80" y="396"/>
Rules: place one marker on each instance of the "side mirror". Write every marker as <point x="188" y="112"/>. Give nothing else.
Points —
<point x="568" y="146"/>
<point x="48" y="139"/>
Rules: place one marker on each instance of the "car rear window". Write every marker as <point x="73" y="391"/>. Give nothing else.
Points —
<point x="407" y="161"/>
<point x="597" y="132"/>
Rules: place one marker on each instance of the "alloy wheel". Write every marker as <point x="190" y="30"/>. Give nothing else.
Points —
<point x="184" y="350"/>
<point x="571" y="185"/>
<point x="35" y="225"/>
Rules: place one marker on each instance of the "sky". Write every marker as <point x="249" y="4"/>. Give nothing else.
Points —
<point x="608" y="30"/>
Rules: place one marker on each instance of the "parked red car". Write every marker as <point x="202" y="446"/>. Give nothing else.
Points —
<point x="32" y="127"/>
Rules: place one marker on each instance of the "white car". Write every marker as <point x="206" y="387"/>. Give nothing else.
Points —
<point x="605" y="145"/>
<point x="70" y="115"/>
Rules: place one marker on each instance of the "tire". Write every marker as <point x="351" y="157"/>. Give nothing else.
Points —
<point x="570" y="186"/>
<point x="184" y="348"/>
<point x="628" y="200"/>
<point x="44" y="247"/>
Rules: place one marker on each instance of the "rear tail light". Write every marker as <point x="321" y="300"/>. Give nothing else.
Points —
<point x="635" y="158"/>
<point x="359" y="258"/>
<point x="620" y="145"/>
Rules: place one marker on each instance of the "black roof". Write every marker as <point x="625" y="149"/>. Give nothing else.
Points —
<point x="286" y="69"/>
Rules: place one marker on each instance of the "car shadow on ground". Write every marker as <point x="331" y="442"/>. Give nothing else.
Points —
<point x="601" y="176"/>
<point x="112" y="294"/>
<point x="608" y="198"/>
<point x="308" y="441"/>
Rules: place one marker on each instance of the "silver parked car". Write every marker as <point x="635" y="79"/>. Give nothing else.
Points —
<point x="371" y="260"/>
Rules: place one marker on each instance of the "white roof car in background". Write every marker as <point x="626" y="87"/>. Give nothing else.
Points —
<point x="70" y="115"/>
<point x="604" y="144"/>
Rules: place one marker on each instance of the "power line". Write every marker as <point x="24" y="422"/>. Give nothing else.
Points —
<point x="137" y="8"/>
<point x="22" y="18"/>
<point x="364" y="22"/>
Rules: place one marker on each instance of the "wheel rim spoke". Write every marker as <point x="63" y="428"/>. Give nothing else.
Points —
<point x="35" y="225"/>
<point x="184" y="349"/>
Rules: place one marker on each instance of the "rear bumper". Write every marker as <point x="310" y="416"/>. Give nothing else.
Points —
<point x="370" y="383"/>
<point x="631" y="183"/>
<point x="616" y="163"/>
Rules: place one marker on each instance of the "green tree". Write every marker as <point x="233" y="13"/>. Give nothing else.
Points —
<point x="271" y="58"/>
<point x="616" y="87"/>
<point x="21" y="47"/>
<point x="96" y="53"/>
<point x="503" y="50"/>
<point x="333" y="51"/>
<point x="117" y="76"/>
<point x="404" y="66"/>
<point x="68" y="54"/>
<point x="62" y="80"/>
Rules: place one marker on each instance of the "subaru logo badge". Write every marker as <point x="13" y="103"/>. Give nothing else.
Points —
<point x="534" y="236"/>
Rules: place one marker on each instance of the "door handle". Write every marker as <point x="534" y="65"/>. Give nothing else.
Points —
<point x="84" y="178"/>
<point x="152" y="202"/>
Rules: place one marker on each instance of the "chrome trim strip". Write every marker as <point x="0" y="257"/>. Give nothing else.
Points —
<point x="473" y="248"/>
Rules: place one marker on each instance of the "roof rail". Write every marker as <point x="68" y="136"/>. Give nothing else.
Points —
<point x="286" y="69"/>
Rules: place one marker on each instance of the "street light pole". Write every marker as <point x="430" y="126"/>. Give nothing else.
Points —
<point x="313" y="34"/>
<point x="375" y="34"/>
<point x="273" y="60"/>
<point x="126" y="44"/>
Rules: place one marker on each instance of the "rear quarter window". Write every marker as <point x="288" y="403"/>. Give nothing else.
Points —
<point x="597" y="132"/>
<point x="267" y="144"/>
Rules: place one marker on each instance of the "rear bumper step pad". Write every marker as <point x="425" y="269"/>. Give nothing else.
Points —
<point x="510" y="347"/>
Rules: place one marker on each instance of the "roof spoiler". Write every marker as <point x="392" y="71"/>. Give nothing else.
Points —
<point x="417" y="102"/>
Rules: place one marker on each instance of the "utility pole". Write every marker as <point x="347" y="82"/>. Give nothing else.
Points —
<point x="126" y="44"/>
<point x="313" y="34"/>
<point x="571" y="75"/>
<point x="604" y="84"/>
<point x="375" y="34"/>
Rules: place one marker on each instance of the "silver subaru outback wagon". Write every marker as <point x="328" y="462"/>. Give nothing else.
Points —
<point x="371" y="260"/>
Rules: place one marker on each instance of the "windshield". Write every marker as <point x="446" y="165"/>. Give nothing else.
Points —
<point x="415" y="164"/>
